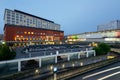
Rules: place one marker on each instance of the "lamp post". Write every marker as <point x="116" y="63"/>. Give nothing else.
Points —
<point x="3" y="42"/>
<point x="55" y="71"/>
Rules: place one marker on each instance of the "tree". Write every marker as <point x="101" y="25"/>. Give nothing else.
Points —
<point x="6" y="53"/>
<point x="102" y="49"/>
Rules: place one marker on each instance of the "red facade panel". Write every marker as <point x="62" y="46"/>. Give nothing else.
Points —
<point x="20" y="33"/>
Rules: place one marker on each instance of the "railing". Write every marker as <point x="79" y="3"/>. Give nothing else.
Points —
<point x="16" y="65"/>
<point x="80" y="70"/>
<point x="47" y="70"/>
<point x="115" y="50"/>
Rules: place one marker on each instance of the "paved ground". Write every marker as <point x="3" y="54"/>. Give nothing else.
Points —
<point x="35" y="53"/>
<point x="111" y="72"/>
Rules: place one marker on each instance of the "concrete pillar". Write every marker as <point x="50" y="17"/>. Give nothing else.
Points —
<point x="57" y="52"/>
<point x="39" y="62"/>
<point x="78" y="55"/>
<point x="87" y="55"/>
<point x="86" y="49"/>
<point x="94" y="53"/>
<point x="56" y="59"/>
<point x="51" y="54"/>
<point x="19" y="65"/>
<point x="68" y="57"/>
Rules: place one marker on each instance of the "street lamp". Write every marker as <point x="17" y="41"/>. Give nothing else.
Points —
<point x="37" y="71"/>
<point x="51" y="67"/>
<point x="63" y="66"/>
<point x="3" y="42"/>
<point x="81" y="64"/>
<point x="55" y="71"/>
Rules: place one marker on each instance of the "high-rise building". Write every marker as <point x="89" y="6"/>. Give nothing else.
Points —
<point x="17" y="17"/>
<point x="109" y="26"/>
<point x="22" y="28"/>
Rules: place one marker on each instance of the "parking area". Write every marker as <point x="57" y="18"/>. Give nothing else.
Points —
<point x="44" y="50"/>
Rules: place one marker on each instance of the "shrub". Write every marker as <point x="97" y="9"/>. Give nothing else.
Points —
<point x="102" y="49"/>
<point x="6" y="53"/>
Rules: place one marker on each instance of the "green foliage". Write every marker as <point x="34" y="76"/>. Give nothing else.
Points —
<point x="6" y="53"/>
<point x="102" y="49"/>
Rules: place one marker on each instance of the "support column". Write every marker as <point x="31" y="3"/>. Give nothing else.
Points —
<point x="19" y="65"/>
<point x="78" y="55"/>
<point x="87" y="55"/>
<point x="39" y="62"/>
<point x="56" y="59"/>
<point x="94" y="53"/>
<point x="57" y="52"/>
<point x="68" y="57"/>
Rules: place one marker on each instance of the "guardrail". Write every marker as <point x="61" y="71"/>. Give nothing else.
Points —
<point x="80" y="70"/>
<point x="115" y="50"/>
<point x="49" y="68"/>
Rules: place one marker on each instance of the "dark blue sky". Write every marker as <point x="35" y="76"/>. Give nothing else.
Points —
<point x="74" y="16"/>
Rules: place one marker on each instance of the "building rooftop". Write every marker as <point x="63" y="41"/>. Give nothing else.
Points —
<point x="32" y="15"/>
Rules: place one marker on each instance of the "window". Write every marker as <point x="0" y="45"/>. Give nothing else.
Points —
<point x="8" y="14"/>
<point x="32" y="33"/>
<point x="25" y="32"/>
<point x="24" y="21"/>
<point x="8" y="11"/>
<point x="30" y="21"/>
<point x="13" y="22"/>
<point x="34" y="21"/>
<point x="8" y="17"/>
<point x="21" y="32"/>
<point x="8" y="21"/>
<point x="18" y="32"/>
<point x="28" y="32"/>
<point x="17" y="22"/>
<point x="13" y="18"/>
<point x="17" y="16"/>
<point x="21" y="18"/>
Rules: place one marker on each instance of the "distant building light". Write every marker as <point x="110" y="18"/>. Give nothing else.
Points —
<point x="28" y="32"/>
<point x="32" y="33"/>
<point x="17" y="35"/>
<point x="25" y="32"/>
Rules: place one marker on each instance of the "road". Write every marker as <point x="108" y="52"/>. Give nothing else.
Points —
<point x="111" y="72"/>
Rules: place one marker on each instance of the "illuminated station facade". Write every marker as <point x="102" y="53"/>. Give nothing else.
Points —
<point x="25" y="29"/>
<point x="108" y="32"/>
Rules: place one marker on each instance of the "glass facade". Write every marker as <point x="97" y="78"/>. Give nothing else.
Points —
<point x="108" y="35"/>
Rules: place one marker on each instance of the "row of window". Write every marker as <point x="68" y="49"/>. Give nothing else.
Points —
<point x="17" y="18"/>
<point x="27" y="38"/>
<point x="37" y="33"/>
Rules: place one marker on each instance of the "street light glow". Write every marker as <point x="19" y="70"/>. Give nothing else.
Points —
<point x="63" y="66"/>
<point x="36" y="71"/>
<point x="51" y="67"/>
<point x="55" y="69"/>
<point x="3" y="42"/>
<point x="81" y="64"/>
